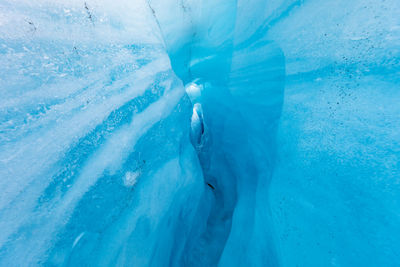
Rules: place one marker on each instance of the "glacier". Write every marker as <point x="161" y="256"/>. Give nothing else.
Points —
<point x="200" y="133"/>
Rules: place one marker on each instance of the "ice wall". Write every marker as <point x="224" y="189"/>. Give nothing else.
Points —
<point x="96" y="163"/>
<point x="335" y="191"/>
<point x="284" y="150"/>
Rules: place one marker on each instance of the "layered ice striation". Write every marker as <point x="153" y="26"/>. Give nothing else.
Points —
<point x="199" y="133"/>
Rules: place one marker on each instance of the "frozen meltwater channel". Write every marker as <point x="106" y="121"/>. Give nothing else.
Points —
<point x="199" y="133"/>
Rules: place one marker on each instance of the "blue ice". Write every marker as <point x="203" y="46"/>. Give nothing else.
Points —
<point x="200" y="133"/>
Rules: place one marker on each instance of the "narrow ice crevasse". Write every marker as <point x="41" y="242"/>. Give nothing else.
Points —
<point x="199" y="133"/>
<point x="232" y="131"/>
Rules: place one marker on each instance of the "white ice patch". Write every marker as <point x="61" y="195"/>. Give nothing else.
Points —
<point x="130" y="178"/>
<point x="77" y="239"/>
<point x="194" y="91"/>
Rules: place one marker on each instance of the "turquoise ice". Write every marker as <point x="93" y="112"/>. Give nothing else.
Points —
<point x="200" y="133"/>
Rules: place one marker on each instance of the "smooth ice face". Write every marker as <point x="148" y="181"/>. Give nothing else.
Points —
<point x="199" y="133"/>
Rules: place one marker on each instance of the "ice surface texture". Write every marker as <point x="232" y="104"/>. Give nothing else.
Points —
<point x="200" y="133"/>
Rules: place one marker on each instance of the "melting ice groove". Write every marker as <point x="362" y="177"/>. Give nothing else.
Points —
<point x="199" y="133"/>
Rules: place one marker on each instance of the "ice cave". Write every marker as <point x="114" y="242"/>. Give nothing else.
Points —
<point x="200" y="133"/>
